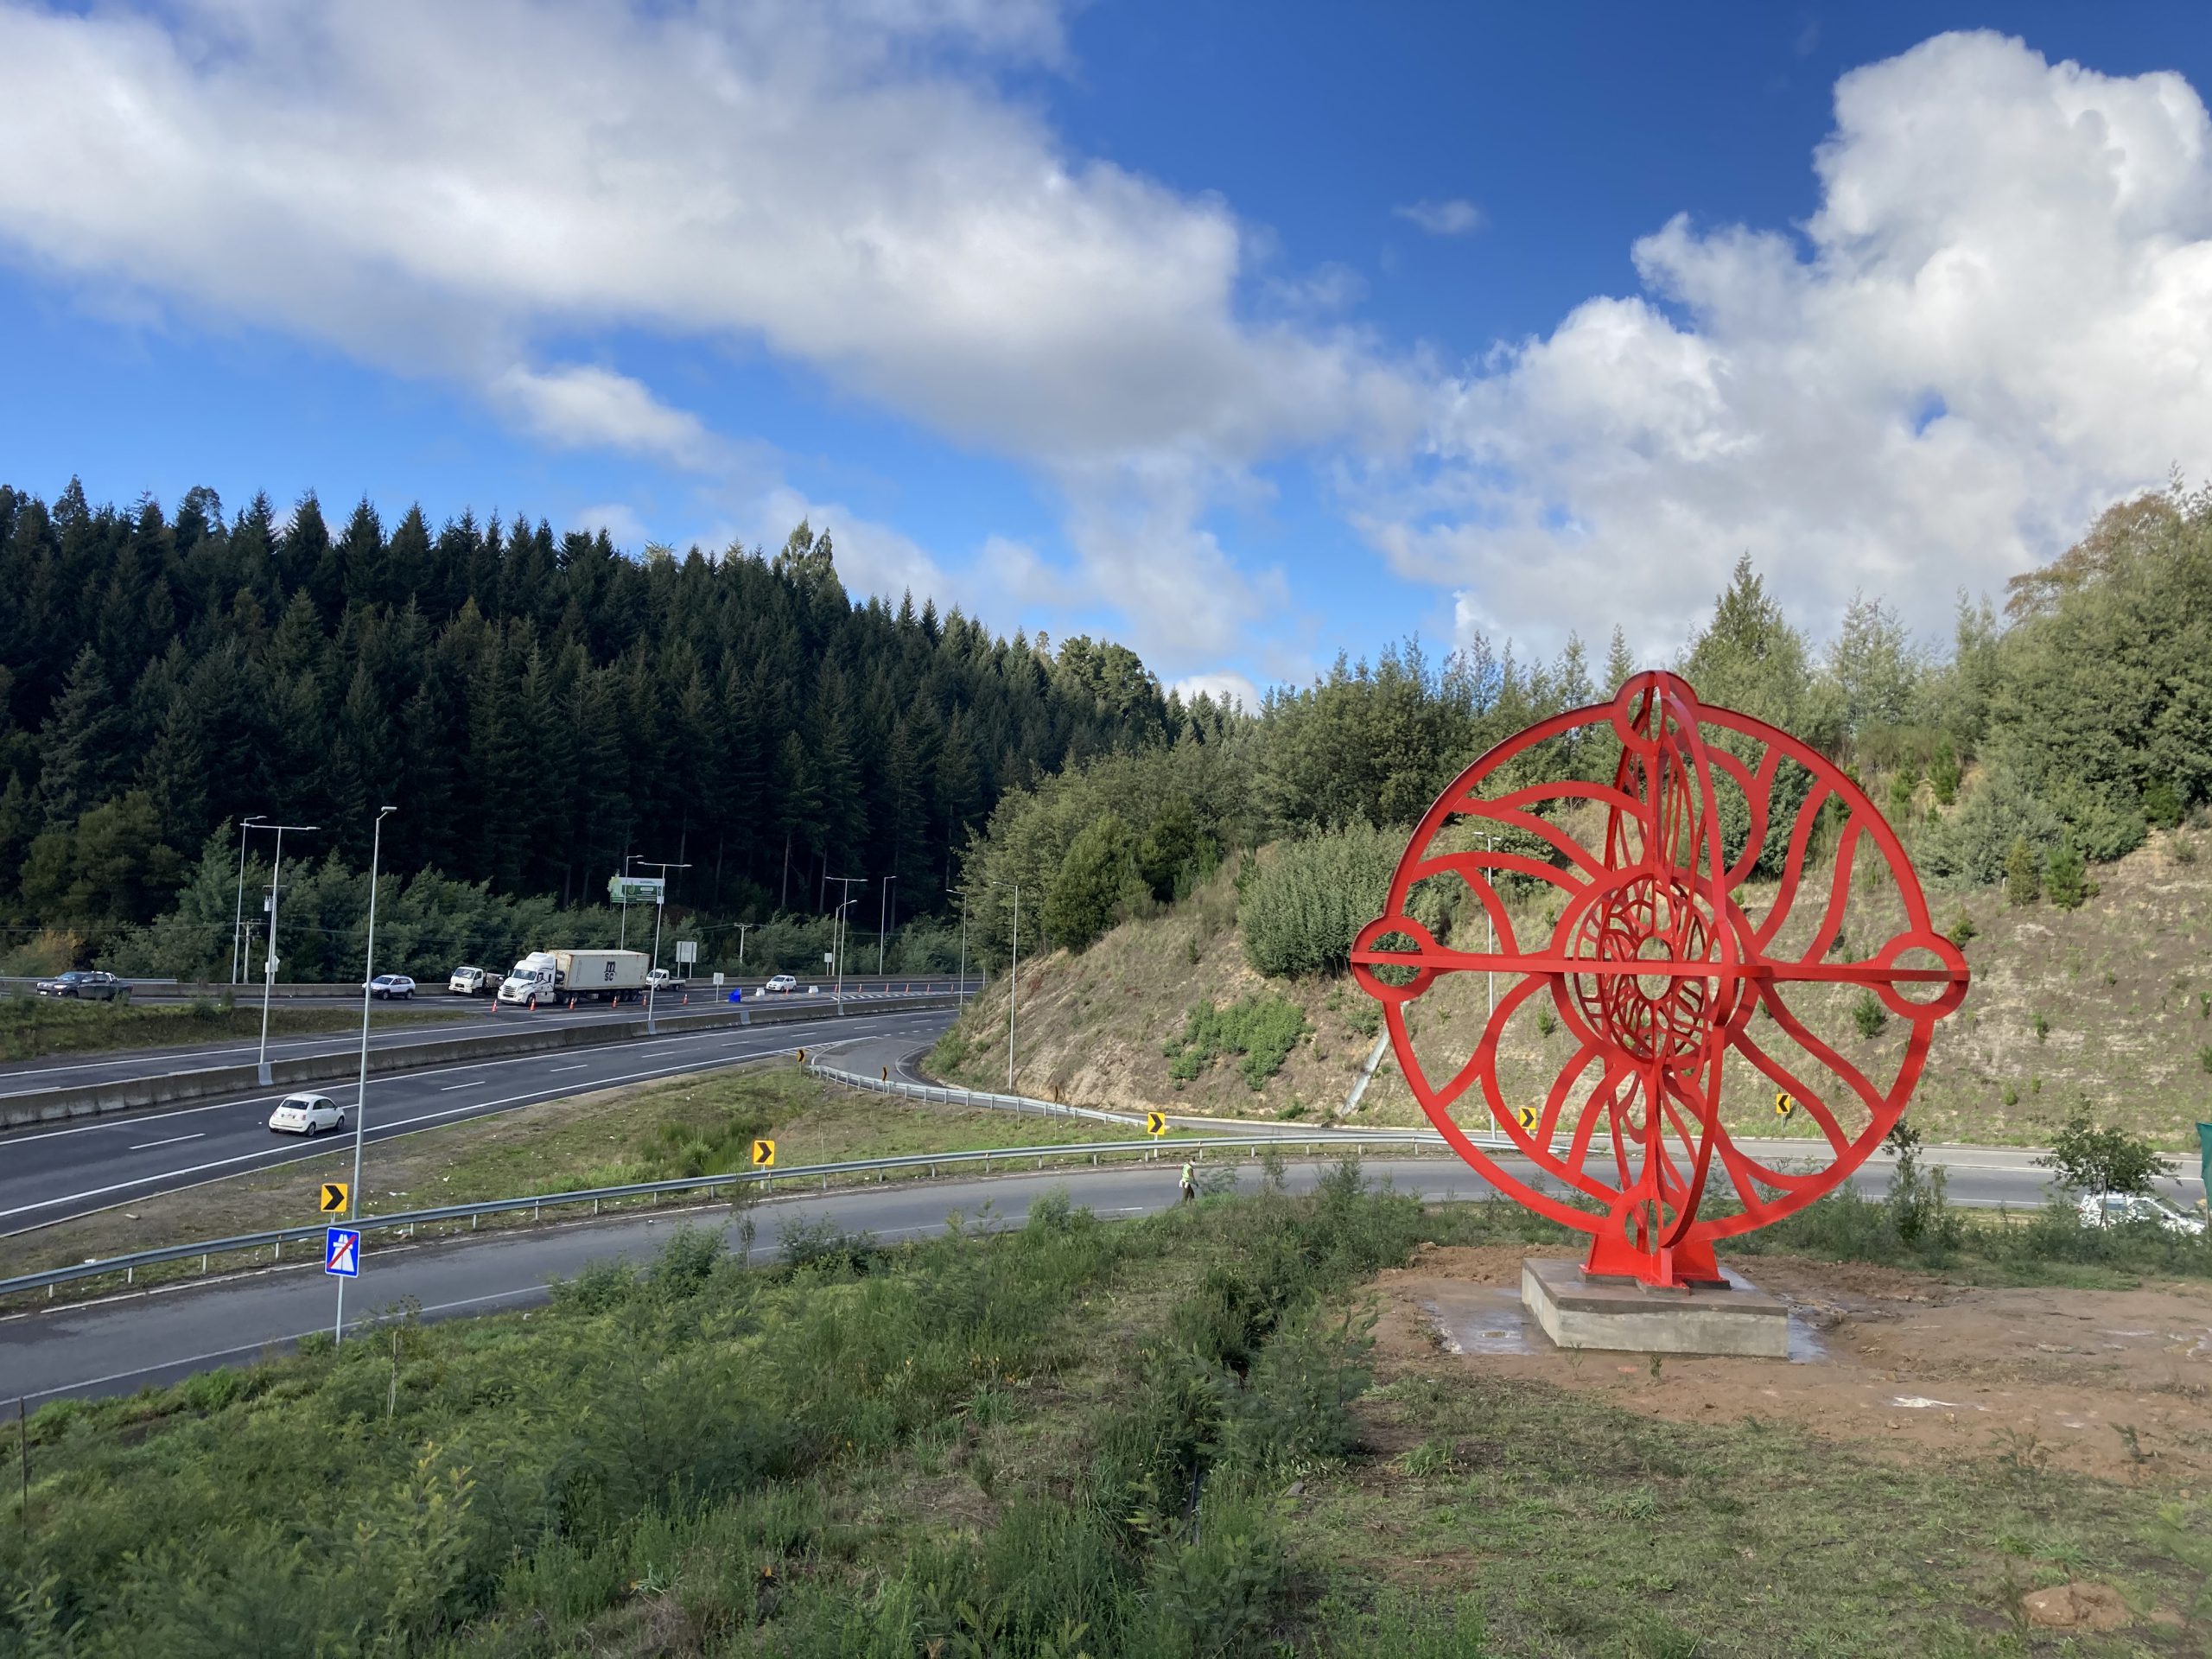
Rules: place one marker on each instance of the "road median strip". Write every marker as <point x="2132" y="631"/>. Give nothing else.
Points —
<point x="136" y="1094"/>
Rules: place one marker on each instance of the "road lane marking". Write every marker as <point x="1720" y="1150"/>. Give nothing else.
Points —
<point x="424" y="1074"/>
<point x="144" y="1145"/>
<point x="473" y="1082"/>
<point x="578" y="1066"/>
<point x="270" y="1159"/>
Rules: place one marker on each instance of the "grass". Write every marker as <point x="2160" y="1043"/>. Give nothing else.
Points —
<point x="34" y="1026"/>
<point x="664" y="1131"/>
<point x="1170" y="1438"/>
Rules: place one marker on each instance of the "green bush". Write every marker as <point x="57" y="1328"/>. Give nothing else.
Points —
<point x="2023" y="875"/>
<point x="1260" y="1029"/>
<point x="1867" y="1015"/>
<point x="2067" y="880"/>
<point x="1096" y="883"/>
<point x="1302" y="907"/>
<point x="2085" y="1157"/>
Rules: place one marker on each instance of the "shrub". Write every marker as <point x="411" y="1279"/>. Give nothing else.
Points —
<point x="2086" y="1159"/>
<point x="2162" y="805"/>
<point x="2067" y="880"/>
<point x="1962" y="929"/>
<point x="1261" y="1029"/>
<point x="2023" y="873"/>
<point x="1301" y="908"/>
<point x="2040" y="1024"/>
<point x="1098" y="881"/>
<point x="1868" y="1015"/>
<point x="1943" y="774"/>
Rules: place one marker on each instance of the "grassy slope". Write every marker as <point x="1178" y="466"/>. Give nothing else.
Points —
<point x="2121" y="987"/>
<point x="31" y="1026"/>
<point x="1143" y="1439"/>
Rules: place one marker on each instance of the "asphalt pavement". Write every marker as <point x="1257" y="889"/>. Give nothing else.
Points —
<point x="470" y="1016"/>
<point x="48" y="1175"/>
<point x="127" y="1342"/>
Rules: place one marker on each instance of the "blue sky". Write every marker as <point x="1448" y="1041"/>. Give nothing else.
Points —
<point x="1245" y="341"/>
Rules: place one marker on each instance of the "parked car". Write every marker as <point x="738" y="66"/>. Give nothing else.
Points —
<point x="473" y="981"/>
<point x="2112" y="1208"/>
<point x="387" y="986"/>
<point x="781" y="984"/>
<point x="84" y="983"/>
<point x="305" y="1115"/>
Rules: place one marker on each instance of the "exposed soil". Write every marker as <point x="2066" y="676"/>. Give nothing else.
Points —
<point x="2114" y="1383"/>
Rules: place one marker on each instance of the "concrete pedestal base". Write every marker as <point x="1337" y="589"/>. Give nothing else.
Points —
<point x="1623" y="1315"/>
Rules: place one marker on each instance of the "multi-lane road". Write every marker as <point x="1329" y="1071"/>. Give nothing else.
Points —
<point x="123" y="1344"/>
<point x="469" y="1017"/>
<point x="48" y="1175"/>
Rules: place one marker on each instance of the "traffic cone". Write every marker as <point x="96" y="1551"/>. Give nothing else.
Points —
<point x="572" y="1005"/>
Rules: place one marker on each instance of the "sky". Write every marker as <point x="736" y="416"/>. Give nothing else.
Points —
<point x="1246" y="335"/>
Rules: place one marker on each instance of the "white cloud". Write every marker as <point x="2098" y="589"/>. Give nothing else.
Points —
<point x="1998" y="320"/>
<point x="583" y="407"/>
<point x="1455" y="216"/>
<point x="840" y="181"/>
<point x="1224" y="685"/>
<point x="623" y="527"/>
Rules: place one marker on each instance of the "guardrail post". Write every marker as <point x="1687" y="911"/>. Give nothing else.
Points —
<point x="203" y="1261"/>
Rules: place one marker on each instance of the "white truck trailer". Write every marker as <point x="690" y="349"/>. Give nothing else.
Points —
<point x="551" y="976"/>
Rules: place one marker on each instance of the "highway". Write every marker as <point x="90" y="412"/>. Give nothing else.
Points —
<point x="470" y="1015"/>
<point x="48" y="1175"/>
<point x="126" y="1342"/>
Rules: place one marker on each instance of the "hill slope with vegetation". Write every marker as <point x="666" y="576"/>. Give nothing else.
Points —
<point x="2048" y="774"/>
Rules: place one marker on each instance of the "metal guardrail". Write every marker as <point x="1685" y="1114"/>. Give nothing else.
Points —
<point x="408" y="1220"/>
<point x="944" y="1095"/>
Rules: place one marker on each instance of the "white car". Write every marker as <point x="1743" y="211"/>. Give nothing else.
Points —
<point x="2111" y="1209"/>
<point x="385" y="987"/>
<point x="658" y="977"/>
<point x="305" y="1115"/>
<point x="782" y="984"/>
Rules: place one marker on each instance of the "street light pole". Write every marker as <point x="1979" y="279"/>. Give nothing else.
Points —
<point x="361" y="1090"/>
<point x="881" y="911"/>
<point x="837" y="948"/>
<point x="845" y="884"/>
<point x="1013" y="987"/>
<point x="269" y="969"/>
<point x="238" y="919"/>
<point x="741" y="927"/>
<point x="660" y="907"/>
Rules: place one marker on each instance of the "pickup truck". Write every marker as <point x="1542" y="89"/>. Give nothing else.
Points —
<point x="474" y="981"/>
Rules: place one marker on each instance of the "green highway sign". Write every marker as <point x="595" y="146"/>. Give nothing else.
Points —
<point x="635" y="889"/>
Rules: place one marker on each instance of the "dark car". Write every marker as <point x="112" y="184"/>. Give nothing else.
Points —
<point x="86" y="983"/>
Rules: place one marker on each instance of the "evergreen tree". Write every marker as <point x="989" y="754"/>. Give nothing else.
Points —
<point x="2023" y="875"/>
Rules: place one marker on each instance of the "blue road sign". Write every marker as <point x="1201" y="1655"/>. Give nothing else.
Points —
<point x="341" y="1252"/>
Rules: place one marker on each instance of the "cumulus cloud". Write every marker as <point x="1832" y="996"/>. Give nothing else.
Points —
<point x="581" y="407"/>
<point x="1455" y="216"/>
<point x="623" y="526"/>
<point x="1998" y="320"/>
<point x="839" y="182"/>
<point x="1224" y="685"/>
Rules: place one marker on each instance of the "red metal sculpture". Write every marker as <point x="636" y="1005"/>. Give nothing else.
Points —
<point x="1658" y="971"/>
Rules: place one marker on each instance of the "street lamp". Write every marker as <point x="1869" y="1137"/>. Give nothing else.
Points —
<point x="740" y="927"/>
<point x="837" y="948"/>
<point x="361" y="1091"/>
<point x="846" y="884"/>
<point x="269" y="970"/>
<point x="660" y="908"/>
<point x="881" y="910"/>
<point x="237" y="921"/>
<point x="1013" y="979"/>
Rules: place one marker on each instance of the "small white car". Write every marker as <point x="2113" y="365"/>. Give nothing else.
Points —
<point x="2111" y="1209"/>
<point x="305" y="1115"/>
<point x="781" y="985"/>
<point x="385" y="987"/>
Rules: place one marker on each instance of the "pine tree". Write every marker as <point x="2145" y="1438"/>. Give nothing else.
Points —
<point x="2023" y="875"/>
<point x="81" y="743"/>
<point x="2067" y="882"/>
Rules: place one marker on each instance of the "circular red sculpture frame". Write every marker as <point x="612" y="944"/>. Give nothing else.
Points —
<point x="1657" y="971"/>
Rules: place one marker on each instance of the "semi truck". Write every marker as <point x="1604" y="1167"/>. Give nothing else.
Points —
<point x="549" y="976"/>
